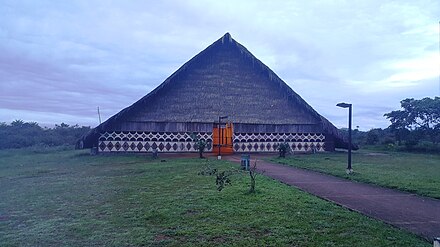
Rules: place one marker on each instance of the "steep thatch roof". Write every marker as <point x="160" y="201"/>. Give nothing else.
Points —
<point x="223" y="79"/>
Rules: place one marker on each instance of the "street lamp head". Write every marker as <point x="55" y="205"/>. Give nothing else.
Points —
<point x="343" y="105"/>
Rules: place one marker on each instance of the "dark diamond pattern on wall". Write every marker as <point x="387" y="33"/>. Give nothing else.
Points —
<point x="139" y="146"/>
<point x="125" y="146"/>
<point x="136" y="141"/>
<point x="102" y="146"/>
<point x="118" y="146"/>
<point x="110" y="146"/>
<point x="182" y="142"/>
<point x="268" y="142"/>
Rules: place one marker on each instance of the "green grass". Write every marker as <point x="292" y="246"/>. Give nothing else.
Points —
<point x="68" y="198"/>
<point x="417" y="173"/>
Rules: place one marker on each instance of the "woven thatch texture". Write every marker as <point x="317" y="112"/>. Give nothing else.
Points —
<point x="224" y="80"/>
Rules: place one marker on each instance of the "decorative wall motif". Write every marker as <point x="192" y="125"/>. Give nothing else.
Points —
<point x="268" y="142"/>
<point x="137" y="141"/>
<point x="170" y="142"/>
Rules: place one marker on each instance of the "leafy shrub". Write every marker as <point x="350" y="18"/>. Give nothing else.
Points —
<point x="283" y="149"/>
<point x="222" y="178"/>
<point x="200" y="144"/>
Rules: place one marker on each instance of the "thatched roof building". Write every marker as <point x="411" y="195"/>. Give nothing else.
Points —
<point x="225" y="79"/>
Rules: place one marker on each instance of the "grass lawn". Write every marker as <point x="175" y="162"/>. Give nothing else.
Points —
<point x="68" y="198"/>
<point x="417" y="173"/>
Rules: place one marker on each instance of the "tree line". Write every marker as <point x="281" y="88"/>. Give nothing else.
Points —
<point x="20" y="134"/>
<point x="415" y="127"/>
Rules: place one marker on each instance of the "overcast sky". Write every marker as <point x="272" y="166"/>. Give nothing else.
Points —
<point x="60" y="60"/>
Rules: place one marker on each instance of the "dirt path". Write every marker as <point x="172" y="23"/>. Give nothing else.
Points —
<point x="420" y="215"/>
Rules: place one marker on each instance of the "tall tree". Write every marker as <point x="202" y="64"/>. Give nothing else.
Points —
<point x="421" y="117"/>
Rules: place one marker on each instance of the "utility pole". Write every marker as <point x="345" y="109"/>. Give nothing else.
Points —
<point x="99" y="115"/>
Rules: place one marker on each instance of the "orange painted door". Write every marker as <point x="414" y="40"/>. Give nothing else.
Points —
<point x="222" y="138"/>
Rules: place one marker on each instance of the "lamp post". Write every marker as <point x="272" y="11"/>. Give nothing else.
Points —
<point x="349" y="106"/>
<point x="219" y="138"/>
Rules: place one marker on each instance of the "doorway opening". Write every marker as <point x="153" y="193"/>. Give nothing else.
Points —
<point x="222" y="134"/>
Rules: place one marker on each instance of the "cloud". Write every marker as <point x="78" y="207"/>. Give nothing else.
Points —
<point x="64" y="59"/>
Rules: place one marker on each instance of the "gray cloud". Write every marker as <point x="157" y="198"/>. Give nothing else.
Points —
<point x="60" y="60"/>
